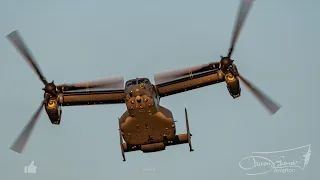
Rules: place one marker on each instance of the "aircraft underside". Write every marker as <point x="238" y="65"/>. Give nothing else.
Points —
<point x="150" y="133"/>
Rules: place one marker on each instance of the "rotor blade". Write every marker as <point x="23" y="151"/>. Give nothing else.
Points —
<point x="241" y="17"/>
<point x="114" y="82"/>
<point x="272" y="106"/>
<point x="18" y="42"/>
<point x="22" y="139"/>
<point x="174" y="74"/>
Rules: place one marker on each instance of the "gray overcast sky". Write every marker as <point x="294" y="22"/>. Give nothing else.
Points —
<point x="83" y="40"/>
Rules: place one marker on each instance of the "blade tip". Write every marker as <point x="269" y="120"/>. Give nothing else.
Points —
<point x="12" y="33"/>
<point x="15" y="150"/>
<point x="276" y="110"/>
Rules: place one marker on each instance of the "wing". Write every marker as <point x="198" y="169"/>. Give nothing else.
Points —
<point x="169" y="83"/>
<point x="93" y="97"/>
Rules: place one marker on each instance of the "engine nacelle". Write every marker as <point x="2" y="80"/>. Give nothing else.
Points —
<point x="147" y="148"/>
<point x="233" y="85"/>
<point x="54" y="111"/>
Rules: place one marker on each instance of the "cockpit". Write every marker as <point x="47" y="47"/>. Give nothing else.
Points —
<point x="141" y="96"/>
<point x="137" y="81"/>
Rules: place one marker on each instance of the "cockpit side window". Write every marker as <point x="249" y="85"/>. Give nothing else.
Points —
<point x="131" y="82"/>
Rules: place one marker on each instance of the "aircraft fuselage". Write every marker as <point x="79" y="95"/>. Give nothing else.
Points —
<point x="145" y="121"/>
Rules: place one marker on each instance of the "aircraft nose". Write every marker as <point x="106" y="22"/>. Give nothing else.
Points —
<point x="138" y="98"/>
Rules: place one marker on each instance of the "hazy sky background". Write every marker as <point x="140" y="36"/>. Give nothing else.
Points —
<point x="83" y="40"/>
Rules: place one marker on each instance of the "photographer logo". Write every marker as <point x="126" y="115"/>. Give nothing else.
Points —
<point x="285" y="161"/>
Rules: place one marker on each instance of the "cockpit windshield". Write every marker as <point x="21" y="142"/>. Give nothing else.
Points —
<point x="140" y="81"/>
<point x="145" y="81"/>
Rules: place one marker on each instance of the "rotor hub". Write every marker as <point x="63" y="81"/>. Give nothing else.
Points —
<point x="225" y="63"/>
<point x="50" y="88"/>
